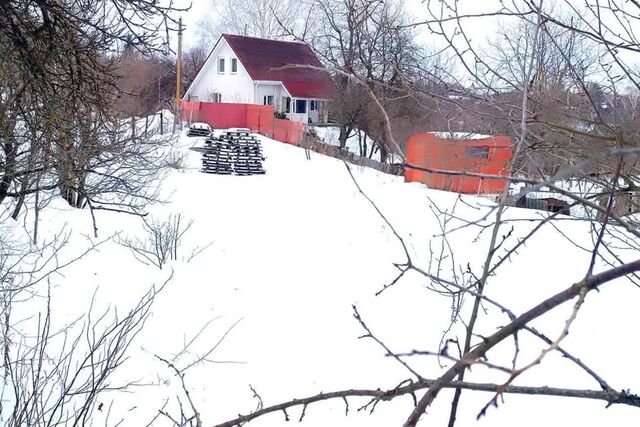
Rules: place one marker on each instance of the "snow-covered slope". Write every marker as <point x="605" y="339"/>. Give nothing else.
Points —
<point x="288" y="254"/>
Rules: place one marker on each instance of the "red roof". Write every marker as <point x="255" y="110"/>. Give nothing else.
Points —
<point x="263" y="57"/>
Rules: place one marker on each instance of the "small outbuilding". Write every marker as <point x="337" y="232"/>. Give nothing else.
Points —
<point x="457" y="153"/>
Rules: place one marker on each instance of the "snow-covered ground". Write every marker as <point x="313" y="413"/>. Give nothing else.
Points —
<point x="285" y="257"/>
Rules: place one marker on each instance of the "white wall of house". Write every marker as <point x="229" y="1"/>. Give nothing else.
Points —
<point x="275" y="90"/>
<point x="321" y="113"/>
<point x="235" y="87"/>
<point x="316" y="115"/>
<point x="297" y="114"/>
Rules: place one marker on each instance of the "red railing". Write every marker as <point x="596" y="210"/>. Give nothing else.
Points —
<point x="258" y="118"/>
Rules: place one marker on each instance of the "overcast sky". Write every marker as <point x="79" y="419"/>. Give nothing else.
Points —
<point x="415" y="8"/>
<point x="478" y="29"/>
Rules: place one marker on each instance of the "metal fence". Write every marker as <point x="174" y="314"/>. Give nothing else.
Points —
<point x="310" y="143"/>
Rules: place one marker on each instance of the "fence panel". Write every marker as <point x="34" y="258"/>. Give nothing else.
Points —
<point x="190" y="111"/>
<point x="223" y="116"/>
<point x="258" y="118"/>
<point x="288" y="131"/>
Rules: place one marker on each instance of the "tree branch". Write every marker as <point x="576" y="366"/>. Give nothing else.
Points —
<point x="611" y="397"/>
<point x="586" y="285"/>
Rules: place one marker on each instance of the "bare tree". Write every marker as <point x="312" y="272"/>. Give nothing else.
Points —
<point x="58" y="87"/>
<point x="57" y="377"/>
<point x="194" y="59"/>
<point x="162" y="239"/>
<point x="53" y="372"/>
<point x="268" y="19"/>
<point x="370" y="40"/>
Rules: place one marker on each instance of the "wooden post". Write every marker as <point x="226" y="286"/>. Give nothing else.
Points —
<point x="179" y="72"/>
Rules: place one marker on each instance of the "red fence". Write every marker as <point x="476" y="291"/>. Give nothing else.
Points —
<point x="489" y="155"/>
<point x="258" y="118"/>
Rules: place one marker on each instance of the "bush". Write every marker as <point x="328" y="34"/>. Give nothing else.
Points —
<point x="161" y="241"/>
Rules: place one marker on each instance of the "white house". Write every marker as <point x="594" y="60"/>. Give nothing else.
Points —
<point x="251" y="70"/>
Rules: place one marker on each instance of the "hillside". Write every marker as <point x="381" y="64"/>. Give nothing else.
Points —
<point x="284" y="258"/>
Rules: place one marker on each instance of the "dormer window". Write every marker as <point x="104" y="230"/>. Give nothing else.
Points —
<point x="221" y="65"/>
<point x="234" y="65"/>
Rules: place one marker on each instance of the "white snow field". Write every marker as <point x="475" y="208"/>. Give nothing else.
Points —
<point x="290" y="253"/>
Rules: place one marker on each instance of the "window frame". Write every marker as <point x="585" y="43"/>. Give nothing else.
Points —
<point x="477" y="152"/>
<point x="306" y="109"/>
<point x="234" y="65"/>
<point x="268" y="100"/>
<point x="221" y="61"/>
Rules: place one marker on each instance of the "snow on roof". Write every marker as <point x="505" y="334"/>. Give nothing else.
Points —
<point x="264" y="59"/>
<point x="460" y="135"/>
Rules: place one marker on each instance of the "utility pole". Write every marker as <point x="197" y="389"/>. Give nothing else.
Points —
<point x="179" y="72"/>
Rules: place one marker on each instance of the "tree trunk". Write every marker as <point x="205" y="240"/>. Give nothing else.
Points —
<point x="9" y="167"/>
<point x="10" y="149"/>
<point x="384" y="153"/>
<point x="345" y="131"/>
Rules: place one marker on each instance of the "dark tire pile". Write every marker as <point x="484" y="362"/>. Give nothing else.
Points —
<point x="199" y="130"/>
<point x="232" y="153"/>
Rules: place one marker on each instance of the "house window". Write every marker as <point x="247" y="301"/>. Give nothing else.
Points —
<point x="286" y="103"/>
<point x="221" y="65"/>
<point x="313" y="105"/>
<point x="301" y="106"/>
<point x="267" y="100"/>
<point x="478" y="152"/>
<point x="234" y="65"/>
<point x="216" y="97"/>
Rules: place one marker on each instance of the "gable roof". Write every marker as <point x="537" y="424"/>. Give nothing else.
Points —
<point x="262" y="57"/>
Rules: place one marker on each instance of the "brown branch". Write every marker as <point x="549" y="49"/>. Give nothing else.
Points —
<point x="380" y="214"/>
<point x="369" y="334"/>
<point x="588" y="284"/>
<point x="611" y="397"/>
<point x="519" y="147"/>
<point x="180" y="374"/>
<point x="469" y="289"/>
<point x="554" y="346"/>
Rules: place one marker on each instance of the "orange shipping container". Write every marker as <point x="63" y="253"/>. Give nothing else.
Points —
<point x="458" y="152"/>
